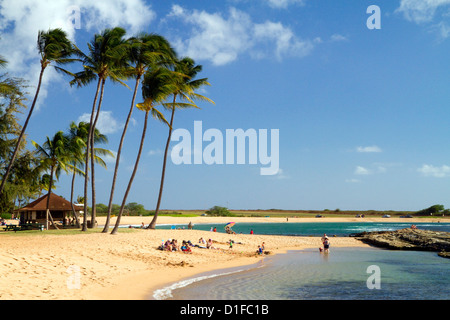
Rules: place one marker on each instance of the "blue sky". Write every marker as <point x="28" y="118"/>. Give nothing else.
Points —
<point x="362" y="114"/>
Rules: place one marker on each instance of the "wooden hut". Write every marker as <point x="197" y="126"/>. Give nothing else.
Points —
<point x="60" y="210"/>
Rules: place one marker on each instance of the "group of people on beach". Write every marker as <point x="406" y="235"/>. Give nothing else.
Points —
<point x="172" y="245"/>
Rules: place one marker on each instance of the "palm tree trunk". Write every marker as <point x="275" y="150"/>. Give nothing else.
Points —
<point x="114" y="231"/>
<point x="48" y="199"/>
<point x="22" y="133"/>
<point x="75" y="215"/>
<point x="152" y="225"/>
<point x="86" y="176"/>
<point x="119" y="151"/>
<point x="94" y="209"/>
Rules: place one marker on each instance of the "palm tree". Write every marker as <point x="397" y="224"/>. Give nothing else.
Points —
<point x="144" y="50"/>
<point x="53" y="46"/>
<point x="55" y="155"/>
<point x="185" y="90"/>
<point x="77" y="136"/>
<point x="106" y="60"/>
<point x="158" y="84"/>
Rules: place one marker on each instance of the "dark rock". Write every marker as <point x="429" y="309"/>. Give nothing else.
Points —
<point x="409" y="239"/>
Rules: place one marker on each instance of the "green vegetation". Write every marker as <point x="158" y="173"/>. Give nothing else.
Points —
<point x="435" y="210"/>
<point x="217" y="211"/>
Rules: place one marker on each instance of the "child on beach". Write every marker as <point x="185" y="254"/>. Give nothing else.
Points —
<point x="259" y="251"/>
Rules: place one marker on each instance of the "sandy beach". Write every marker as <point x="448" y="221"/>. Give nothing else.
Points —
<point x="128" y="266"/>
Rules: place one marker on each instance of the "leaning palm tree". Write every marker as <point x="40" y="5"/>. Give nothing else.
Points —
<point x="185" y="89"/>
<point x="106" y="60"/>
<point x="53" y="46"/>
<point x="55" y="155"/>
<point x="158" y="84"/>
<point x="144" y="50"/>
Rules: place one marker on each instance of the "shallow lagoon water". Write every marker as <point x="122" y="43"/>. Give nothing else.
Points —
<point x="340" y="275"/>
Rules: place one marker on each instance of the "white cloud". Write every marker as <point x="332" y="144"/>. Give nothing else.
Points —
<point x="221" y="39"/>
<point x="338" y="38"/>
<point x="362" y="171"/>
<point x="421" y="11"/>
<point x="432" y="171"/>
<point x="283" y="4"/>
<point x="21" y="21"/>
<point x="106" y="123"/>
<point x="369" y="149"/>
<point x="286" y="43"/>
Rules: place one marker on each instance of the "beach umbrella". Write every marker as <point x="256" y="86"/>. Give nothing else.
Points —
<point x="230" y="224"/>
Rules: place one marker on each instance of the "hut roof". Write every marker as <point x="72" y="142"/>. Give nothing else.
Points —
<point x="56" y="203"/>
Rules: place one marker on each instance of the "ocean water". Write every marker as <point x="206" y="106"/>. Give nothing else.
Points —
<point x="340" y="229"/>
<point x="342" y="274"/>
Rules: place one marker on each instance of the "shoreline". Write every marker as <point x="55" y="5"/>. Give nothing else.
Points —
<point x="128" y="266"/>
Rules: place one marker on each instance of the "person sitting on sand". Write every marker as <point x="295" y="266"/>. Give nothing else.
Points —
<point x="168" y="245"/>
<point x="185" y="247"/>
<point x="175" y="245"/>
<point x="259" y="251"/>
<point x="209" y="244"/>
<point x="202" y="241"/>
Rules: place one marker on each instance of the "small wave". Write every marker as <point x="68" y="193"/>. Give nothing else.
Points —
<point x="166" y="293"/>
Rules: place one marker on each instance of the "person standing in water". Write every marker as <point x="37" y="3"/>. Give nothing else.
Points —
<point x="326" y="245"/>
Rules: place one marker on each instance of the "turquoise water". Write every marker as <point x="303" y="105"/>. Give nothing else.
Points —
<point x="340" y="275"/>
<point x="340" y="229"/>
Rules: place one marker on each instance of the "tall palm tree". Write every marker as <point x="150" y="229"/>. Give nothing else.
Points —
<point x="144" y="50"/>
<point x="55" y="155"/>
<point x="106" y="60"/>
<point x="53" y="46"/>
<point x="158" y="84"/>
<point x="185" y="89"/>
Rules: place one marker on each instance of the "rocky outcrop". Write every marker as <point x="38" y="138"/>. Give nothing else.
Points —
<point x="409" y="239"/>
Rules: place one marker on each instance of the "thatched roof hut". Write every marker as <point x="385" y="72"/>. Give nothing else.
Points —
<point x="60" y="209"/>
